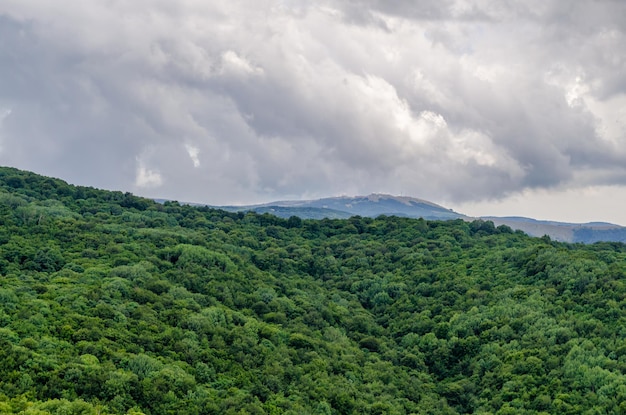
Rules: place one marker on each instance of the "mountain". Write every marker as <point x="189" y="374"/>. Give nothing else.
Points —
<point x="344" y="207"/>
<point x="562" y="231"/>
<point x="375" y="205"/>
<point x="372" y="205"/>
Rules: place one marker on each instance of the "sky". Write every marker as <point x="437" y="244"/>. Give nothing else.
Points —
<point x="489" y="107"/>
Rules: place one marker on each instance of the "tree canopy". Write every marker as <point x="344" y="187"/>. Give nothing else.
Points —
<point x="115" y="304"/>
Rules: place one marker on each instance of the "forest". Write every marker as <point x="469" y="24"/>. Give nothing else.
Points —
<point x="115" y="304"/>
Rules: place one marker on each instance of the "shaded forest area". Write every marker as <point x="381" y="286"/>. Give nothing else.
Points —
<point x="115" y="304"/>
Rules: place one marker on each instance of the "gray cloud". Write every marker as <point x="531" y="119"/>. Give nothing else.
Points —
<point x="225" y="103"/>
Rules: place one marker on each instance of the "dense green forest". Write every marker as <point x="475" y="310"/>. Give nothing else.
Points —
<point x="114" y="304"/>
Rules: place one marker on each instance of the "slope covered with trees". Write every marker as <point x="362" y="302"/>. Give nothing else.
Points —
<point x="113" y="304"/>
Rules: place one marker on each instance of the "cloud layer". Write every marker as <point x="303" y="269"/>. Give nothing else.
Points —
<point x="226" y="102"/>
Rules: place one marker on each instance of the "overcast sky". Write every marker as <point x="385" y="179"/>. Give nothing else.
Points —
<point x="486" y="106"/>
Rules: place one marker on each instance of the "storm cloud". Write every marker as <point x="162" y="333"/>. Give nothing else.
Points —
<point x="240" y="102"/>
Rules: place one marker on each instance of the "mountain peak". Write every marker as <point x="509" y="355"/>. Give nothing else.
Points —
<point x="407" y="200"/>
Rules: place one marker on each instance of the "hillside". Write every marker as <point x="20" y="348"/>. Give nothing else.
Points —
<point x="114" y="304"/>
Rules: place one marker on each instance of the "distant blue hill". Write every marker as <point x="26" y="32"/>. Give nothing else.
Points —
<point x="562" y="231"/>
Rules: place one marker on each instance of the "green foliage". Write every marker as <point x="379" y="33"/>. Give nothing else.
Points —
<point x="114" y="304"/>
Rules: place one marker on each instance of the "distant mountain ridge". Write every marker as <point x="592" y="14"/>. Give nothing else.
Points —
<point x="562" y="231"/>
<point x="344" y="207"/>
<point x="377" y="204"/>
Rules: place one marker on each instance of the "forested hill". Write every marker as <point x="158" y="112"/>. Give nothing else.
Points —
<point x="113" y="304"/>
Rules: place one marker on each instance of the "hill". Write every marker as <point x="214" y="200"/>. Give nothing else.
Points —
<point x="344" y="207"/>
<point x="112" y="304"/>
<point x="380" y="204"/>
<point x="564" y="232"/>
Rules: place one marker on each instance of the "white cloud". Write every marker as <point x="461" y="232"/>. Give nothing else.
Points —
<point x="237" y="65"/>
<point x="193" y="154"/>
<point x="147" y="178"/>
<point x="462" y="100"/>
